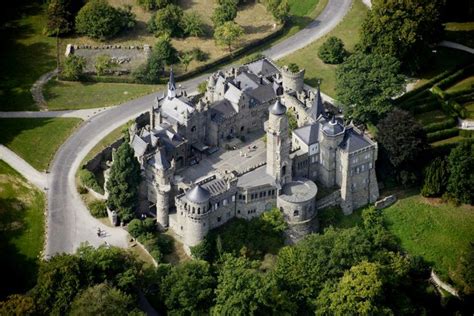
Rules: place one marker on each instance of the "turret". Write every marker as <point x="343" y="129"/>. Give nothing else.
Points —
<point x="171" y="86"/>
<point x="293" y="81"/>
<point x="197" y="208"/>
<point x="164" y="171"/>
<point x="278" y="144"/>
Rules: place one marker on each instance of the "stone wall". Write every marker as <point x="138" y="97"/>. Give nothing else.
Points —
<point x="329" y="200"/>
<point x="96" y="164"/>
<point x="385" y="202"/>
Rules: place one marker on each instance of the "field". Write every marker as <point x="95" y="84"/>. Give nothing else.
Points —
<point x="36" y="139"/>
<point x="61" y="95"/>
<point x="348" y="31"/>
<point x="22" y="230"/>
<point x="438" y="232"/>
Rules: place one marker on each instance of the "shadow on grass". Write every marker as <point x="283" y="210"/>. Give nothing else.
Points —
<point x="18" y="271"/>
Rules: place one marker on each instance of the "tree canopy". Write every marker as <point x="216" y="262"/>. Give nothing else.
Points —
<point x="461" y="169"/>
<point x="225" y="11"/>
<point x="365" y="84"/>
<point x="436" y="178"/>
<point x="123" y="182"/>
<point x="228" y="33"/>
<point x="167" y="21"/>
<point x="403" y="29"/>
<point x="332" y="51"/>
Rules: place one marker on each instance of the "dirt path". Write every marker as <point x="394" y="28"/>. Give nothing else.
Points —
<point x="37" y="89"/>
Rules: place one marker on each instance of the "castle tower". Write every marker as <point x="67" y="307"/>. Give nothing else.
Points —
<point x="332" y="132"/>
<point x="197" y="208"/>
<point x="171" y="86"/>
<point x="292" y="81"/>
<point x="164" y="171"/>
<point x="278" y="144"/>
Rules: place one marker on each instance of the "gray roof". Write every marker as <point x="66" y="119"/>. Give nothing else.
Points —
<point x="263" y="67"/>
<point x="317" y="108"/>
<point x="159" y="161"/>
<point x="332" y="127"/>
<point x="353" y="141"/>
<point x="222" y="110"/>
<point x="263" y="93"/>
<point x="139" y="146"/>
<point x="255" y="178"/>
<point x="248" y="81"/>
<point x="198" y="194"/>
<point x="216" y="186"/>
<point x="308" y="134"/>
<point x="277" y="108"/>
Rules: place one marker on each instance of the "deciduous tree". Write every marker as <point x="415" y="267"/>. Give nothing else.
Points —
<point x="167" y="21"/>
<point x="461" y="170"/>
<point x="73" y="67"/>
<point x="225" y="11"/>
<point x="228" y="33"/>
<point x="332" y="51"/>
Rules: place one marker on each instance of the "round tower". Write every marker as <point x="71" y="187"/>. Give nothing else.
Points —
<point x="332" y="132"/>
<point x="197" y="208"/>
<point x="278" y="144"/>
<point x="164" y="171"/>
<point x="292" y="81"/>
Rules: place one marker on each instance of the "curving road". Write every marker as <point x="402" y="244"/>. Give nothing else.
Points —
<point x="68" y="221"/>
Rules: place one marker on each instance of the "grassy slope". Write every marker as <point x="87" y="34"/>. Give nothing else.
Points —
<point x="465" y="84"/>
<point x="348" y="31"/>
<point x="22" y="231"/>
<point x="462" y="33"/>
<point x="26" y="54"/>
<point x="437" y="232"/>
<point x="62" y="95"/>
<point x="36" y="139"/>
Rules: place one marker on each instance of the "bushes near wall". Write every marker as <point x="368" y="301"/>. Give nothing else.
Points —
<point x="155" y="243"/>
<point x="426" y="107"/>
<point x="456" y="76"/>
<point x="89" y="180"/>
<point x="434" y="127"/>
<point x="97" y="208"/>
<point x="443" y="134"/>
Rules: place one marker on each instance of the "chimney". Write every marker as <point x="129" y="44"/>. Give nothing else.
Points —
<point x="261" y="79"/>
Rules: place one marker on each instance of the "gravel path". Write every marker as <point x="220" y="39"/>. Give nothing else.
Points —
<point x="37" y="89"/>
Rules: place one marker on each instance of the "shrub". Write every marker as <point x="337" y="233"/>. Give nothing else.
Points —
<point x="89" y="180"/>
<point x="192" y="25"/>
<point x="202" y="87"/>
<point x="332" y="51"/>
<point x="225" y="11"/>
<point x="455" y="77"/>
<point x="252" y="57"/>
<point x="73" y="67"/>
<point x="199" y="55"/>
<point x="425" y="107"/>
<point x="98" y="208"/>
<point x="138" y="227"/>
<point x="443" y="134"/>
<point x="280" y="9"/>
<point x="99" y="20"/>
<point x="293" y="67"/>
<point x="466" y="133"/>
<point x="436" y="178"/>
<point x="104" y="65"/>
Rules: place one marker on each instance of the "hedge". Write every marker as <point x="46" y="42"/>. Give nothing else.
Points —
<point x="455" y="77"/>
<point x="89" y="180"/>
<point x="445" y="149"/>
<point x="443" y="134"/>
<point x="97" y="208"/>
<point x="466" y="133"/>
<point x="464" y="98"/>
<point x="434" y="127"/>
<point x="410" y="103"/>
<point x="427" y="107"/>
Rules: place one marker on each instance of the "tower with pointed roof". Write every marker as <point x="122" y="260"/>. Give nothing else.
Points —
<point x="163" y="172"/>
<point x="171" y="86"/>
<point x="278" y="144"/>
<point x="317" y="107"/>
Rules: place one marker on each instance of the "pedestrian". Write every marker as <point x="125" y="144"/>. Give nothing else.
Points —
<point x="98" y="232"/>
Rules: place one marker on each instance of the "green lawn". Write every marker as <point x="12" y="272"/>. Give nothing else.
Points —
<point x="106" y="141"/>
<point x="62" y="95"/>
<point x="348" y="31"/>
<point x="436" y="231"/>
<point x="302" y="13"/>
<point x="431" y="117"/>
<point x="465" y="84"/>
<point x="26" y="54"/>
<point x="36" y="139"/>
<point x="22" y="231"/>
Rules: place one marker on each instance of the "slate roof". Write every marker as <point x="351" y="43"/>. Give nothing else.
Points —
<point x="354" y="141"/>
<point x="159" y="161"/>
<point x="139" y="146"/>
<point x="277" y="108"/>
<point x="198" y="194"/>
<point x="317" y="108"/>
<point x="309" y="134"/>
<point x="221" y="110"/>
<point x="233" y="94"/>
<point x="332" y="127"/>
<point x="216" y="186"/>
<point x="174" y="108"/>
<point x="248" y="81"/>
<point x="263" y="93"/>
<point x="263" y="67"/>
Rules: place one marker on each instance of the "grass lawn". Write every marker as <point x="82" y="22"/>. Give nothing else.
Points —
<point x="26" y="54"/>
<point x="62" y="95"/>
<point x="462" y="33"/>
<point x="302" y="13"/>
<point x="106" y="141"/>
<point x="22" y="231"/>
<point x="431" y="117"/>
<point x="438" y="232"/>
<point x="465" y="84"/>
<point x="348" y="31"/>
<point x="36" y="139"/>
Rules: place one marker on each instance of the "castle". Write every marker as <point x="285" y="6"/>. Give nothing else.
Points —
<point x="180" y="131"/>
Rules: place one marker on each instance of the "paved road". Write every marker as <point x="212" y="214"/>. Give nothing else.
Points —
<point x="325" y="22"/>
<point x="69" y="222"/>
<point x="26" y="170"/>
<point x="457" y="46"/>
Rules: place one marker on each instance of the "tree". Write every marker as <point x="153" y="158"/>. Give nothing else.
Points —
<point x="403" y="29"/>
<point x="186" y="58"/>
<point x="164" y="50"/>
<point x="192" y="24"/>
<point x="275" y="221"/>
<point x="241" y="289"/>
<point x="436" y="178"/>
<point x="225" y="11"/>
<point x="73" y="67"/>
<point x="17" y="304"/>
<point x="138" y="227"/>
<point x="153" y="4"/>
<point x="202" y="87"/>
<point x="280" y="9"/>
<point x="461" y="170"/>
<point x="99" y="20"/>
<point x="228" y="33"/>
<point x="365" y="85"/>
<point x="123" y="182"/>
<point x="358" y="292"/>
<point x="150" y="71"/>
<point x="464" y="276"/>
<point x="293" y="67"/>
<point x="58" y="21"/>
<point x="104" y="64"/>
<point x="403" y="141"/>
<point x="167" y="21"/>
<point x="332" y="51"/>
<point x="188" y="288"/>
<point x="102" y="299"/>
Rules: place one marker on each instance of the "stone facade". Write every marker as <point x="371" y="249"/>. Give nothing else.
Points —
<point x="180" y="130"/>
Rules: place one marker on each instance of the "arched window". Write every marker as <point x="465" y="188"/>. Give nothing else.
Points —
<point x="296" y="213"/>
<point x="199" y="210"/>
<point x="283" y="170"/>
<point x="194" y="210"/>
<point x="193" y="129"/>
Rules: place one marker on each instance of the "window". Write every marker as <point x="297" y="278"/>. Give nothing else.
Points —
<point x="218" y="219"/>
<point x="224" y="202"/>
<point x="283" y="170"/>
<point x="199" y="210"/>
<point x="238" y="211"/>
<point x="370" y="165"/>
<point x="193" y="129"/>
<point x="296" y="213"/>
<point x="233" y="198"/>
